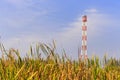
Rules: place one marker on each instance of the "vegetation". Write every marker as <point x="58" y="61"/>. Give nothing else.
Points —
<point x="53" y="67"/>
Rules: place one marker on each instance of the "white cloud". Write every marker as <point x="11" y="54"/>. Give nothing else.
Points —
<point x="70" y="37"/>
<point x="24" y="3"/>
<point x="18" y="3"/>
<point x="15" y="1"/>
<point x="28" y="18"/>
<point x="25" y="39"/>
<point x="23" y="42"/>
<point x="98" y="24"/>
<point x="92" y="10"/>
<point x="24" y="13"/>
<point x="95" y="23"/>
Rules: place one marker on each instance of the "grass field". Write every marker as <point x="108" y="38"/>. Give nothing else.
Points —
<point x="54" y="67"/>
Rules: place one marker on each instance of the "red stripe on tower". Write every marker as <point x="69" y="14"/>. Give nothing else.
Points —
<point x="84" y="47"/>
<point x="84" y="37"/>
<point x="84" y="28"/>
<point x="84" y="18"/>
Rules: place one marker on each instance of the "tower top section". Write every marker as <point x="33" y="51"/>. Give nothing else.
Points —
<point x="84" y="18"/>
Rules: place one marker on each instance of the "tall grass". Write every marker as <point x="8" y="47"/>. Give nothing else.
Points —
<point x="54" y="67"/>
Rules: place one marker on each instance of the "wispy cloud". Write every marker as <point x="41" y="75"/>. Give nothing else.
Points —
<point x="24" y="3"/>
<point x="25" y="19"/>
<point x="95" y="23"/>
<point x="91" y="10"/>
<point x="15" y="1"/>
<point x="98" y="24"/>
<point x="18" y="3"/>
<point x="23" y="42"/>
<point x="70" y="37"/>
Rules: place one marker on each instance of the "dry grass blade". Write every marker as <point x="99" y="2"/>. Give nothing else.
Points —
<point x="30" y="78"/>
<point x="19" y="71"/>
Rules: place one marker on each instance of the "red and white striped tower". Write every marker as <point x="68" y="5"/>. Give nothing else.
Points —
<point x="84" y="38"/>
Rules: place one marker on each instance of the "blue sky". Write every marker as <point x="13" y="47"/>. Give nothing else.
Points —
<point x="24" y="22"/>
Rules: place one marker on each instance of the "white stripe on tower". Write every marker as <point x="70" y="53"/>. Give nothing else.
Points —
<point x="84" y="37"/>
